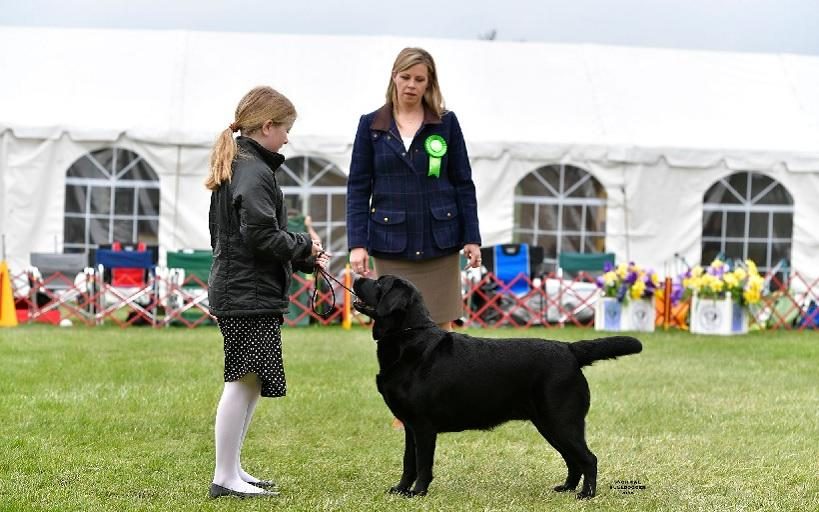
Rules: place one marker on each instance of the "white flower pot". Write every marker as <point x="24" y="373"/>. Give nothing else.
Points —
<point x="634" y="315"/>
<point x="718" y="316"/>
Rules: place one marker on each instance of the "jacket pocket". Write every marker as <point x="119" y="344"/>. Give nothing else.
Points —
<point x="388" y="230"/>
<point x="446" y="226"/>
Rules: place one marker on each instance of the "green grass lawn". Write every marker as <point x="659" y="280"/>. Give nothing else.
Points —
<point x="122" y="419"/>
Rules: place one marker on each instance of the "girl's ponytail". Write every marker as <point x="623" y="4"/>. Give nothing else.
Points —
<point x="221" y="159"/>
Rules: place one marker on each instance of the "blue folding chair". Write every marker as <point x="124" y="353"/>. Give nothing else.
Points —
<point x="512" y="264"/>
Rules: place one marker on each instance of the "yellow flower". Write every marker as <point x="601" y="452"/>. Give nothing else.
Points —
<point x="622" y="270"/>
<point x="751" y="267"/>
<point x="610" y="278"/>
<point x="730" y="279"/>
<point x="694" y="283"/>
<point x="751" y="296"/>
<point x="696" y="271"/>
<point x="637" y="289"/>
<point x="655" y="279"/>
<point x="717" y="263"/>
<point x="740" y="274"/>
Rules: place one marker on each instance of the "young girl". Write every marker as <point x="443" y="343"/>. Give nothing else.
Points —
<point x="253" y="258"/>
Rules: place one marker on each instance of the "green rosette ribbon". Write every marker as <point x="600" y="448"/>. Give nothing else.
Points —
<point x="436" y="149"/>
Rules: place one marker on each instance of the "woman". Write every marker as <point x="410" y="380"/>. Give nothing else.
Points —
<point x="411" y="202"/>
<point x="253" y="258"/>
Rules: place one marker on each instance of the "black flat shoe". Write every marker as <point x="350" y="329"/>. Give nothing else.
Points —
<point x="266" y="484"/>
<point x="217" y="491"/>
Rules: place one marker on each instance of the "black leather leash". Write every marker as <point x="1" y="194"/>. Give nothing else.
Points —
<point x="320" y="272"/>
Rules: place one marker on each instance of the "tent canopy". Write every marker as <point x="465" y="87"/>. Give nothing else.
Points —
<point x="536" y="100"/>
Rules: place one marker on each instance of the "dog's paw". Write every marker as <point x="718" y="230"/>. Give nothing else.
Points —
<point x="584" y="495"/>
<point x="564" y="488"/>
<point x="401" y="491"/>
<point x="407" y="493"/>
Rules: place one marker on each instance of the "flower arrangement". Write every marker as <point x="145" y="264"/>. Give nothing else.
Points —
<point x="743" y="283"/>
<point x="625" y="282"/>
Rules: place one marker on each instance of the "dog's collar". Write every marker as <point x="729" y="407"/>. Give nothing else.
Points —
<point x="393" y="334"/>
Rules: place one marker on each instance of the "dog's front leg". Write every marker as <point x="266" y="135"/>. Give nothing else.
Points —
<point x="410" y="472"/>
<point x="425" y="438"/>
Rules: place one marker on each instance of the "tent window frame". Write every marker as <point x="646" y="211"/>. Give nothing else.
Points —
<point x="559" y="200"/>
<point x="113" y="178"/>
<point x="749" y="204"/>
<point x="311" y="196"/>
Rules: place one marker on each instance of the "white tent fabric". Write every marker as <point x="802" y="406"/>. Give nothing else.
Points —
<point x="656" y="127"/>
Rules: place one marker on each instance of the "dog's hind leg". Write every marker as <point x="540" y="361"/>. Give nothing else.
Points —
<point x="575" y="473"/>
<point x="410" y="469"/>
<point x="571" y="438"/>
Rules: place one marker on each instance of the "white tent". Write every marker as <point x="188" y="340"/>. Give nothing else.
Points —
<point x="655" y="127"/>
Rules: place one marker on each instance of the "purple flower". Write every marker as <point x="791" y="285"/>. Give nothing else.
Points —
<point x="631" y="277"/>
<point x="608" y="266"/>
<point x="677" y="291"/>
<point x="621" y="292"/>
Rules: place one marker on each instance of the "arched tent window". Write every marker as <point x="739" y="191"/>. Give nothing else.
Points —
<point x="747" y="215"/>
<point x="111" y="194"/>
<point x="561" y="208"/>
<point x="315" y="187"/>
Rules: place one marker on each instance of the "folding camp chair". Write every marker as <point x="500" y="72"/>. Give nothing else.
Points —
<point x="186" y="296"/>
<point x="508" y="297"/>
<point x="576" y="263"/>
<point x="136" y="293"/>
<point x="578" y="294"/>
<point x="511" y="267"/>
<point x="61" y="285"/>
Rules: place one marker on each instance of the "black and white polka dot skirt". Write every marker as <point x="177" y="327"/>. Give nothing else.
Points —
<point x="253" y="344"/>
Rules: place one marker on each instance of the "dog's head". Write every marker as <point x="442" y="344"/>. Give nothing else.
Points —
<point x="393" y="303"/>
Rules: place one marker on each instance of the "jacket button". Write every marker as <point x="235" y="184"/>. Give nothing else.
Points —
<point x="388" y="137"/>
<point x="448" y="214"/>
<point x="417" y="253"/>
<point x="386" y="219"/>
<point x="373" y="210"/>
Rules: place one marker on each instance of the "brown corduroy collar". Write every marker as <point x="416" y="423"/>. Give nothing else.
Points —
<point x="383" y="118"/>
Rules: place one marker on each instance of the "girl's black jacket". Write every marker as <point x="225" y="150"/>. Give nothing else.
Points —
<point x="253" y="253"/>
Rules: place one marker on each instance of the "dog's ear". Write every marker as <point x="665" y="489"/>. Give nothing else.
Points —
<point x="394" y="297"/>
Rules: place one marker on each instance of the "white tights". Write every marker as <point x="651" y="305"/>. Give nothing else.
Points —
<point x="233" y="417"/>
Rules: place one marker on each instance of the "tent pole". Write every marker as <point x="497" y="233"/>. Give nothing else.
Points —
<point x="625" y="222"/>
<point x="4" y="156"/>
<point x="176" y="195"/>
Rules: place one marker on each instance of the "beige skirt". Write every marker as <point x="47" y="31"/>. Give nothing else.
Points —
<point x="439" y="281"/>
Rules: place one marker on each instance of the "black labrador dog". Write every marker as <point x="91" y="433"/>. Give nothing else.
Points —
<point x="436" y="381"/>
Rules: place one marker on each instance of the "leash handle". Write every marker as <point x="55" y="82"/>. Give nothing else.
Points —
<point x="319" y="273"/>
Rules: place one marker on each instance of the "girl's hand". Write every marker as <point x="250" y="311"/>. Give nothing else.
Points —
<point x="323" y="259"/>
<point x="316" y="249"/>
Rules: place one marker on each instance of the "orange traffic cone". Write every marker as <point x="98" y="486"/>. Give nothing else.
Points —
<point x="8" y="317"/>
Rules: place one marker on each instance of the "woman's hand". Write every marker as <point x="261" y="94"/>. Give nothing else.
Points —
<point x="360" y="261"/>
<point x="472" y="252"/>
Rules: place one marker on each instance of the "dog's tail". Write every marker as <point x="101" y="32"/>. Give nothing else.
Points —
<point x="589" y="351"/>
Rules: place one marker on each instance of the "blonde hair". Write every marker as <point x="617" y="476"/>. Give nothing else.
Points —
<point x="261" y="104"/>
<point x="407" y="58"/>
